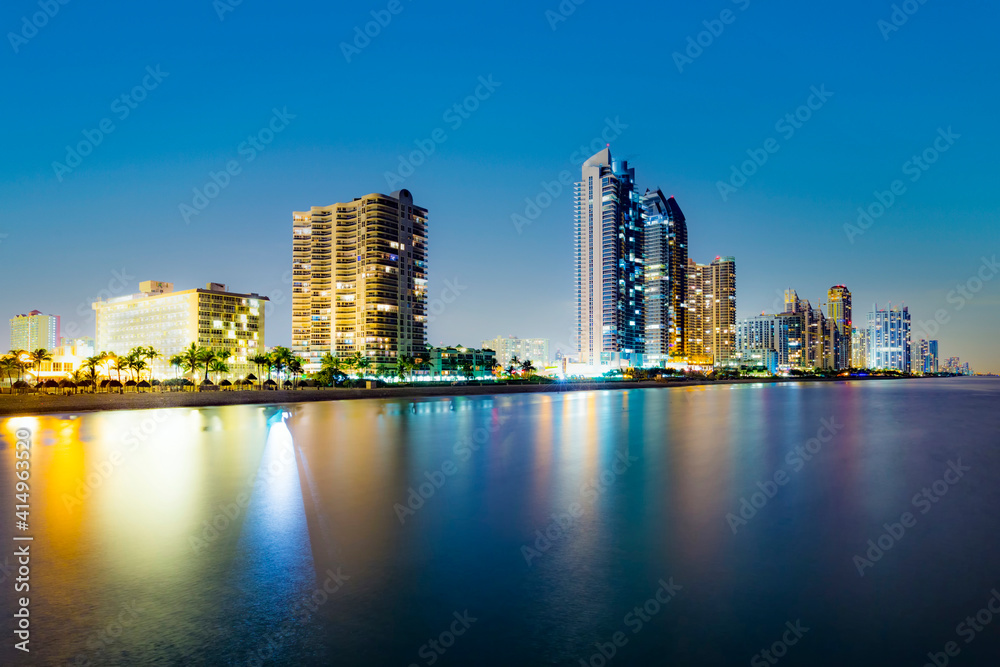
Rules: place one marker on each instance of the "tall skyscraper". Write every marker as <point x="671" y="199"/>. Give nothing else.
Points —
<point x="814" y="337"/>
<point x="33" y="331"/>
<point x="227" y="322"/>
<point x="839" y="311"/>
<point x="859" y="347"/>
<point x="665" y="261"/>
<point x="608" y="264"/>
<point x="359" y="273"/>
<point x="889" y="338"/>
<point x="931" y="360"/>
<point x="710" y="320"/>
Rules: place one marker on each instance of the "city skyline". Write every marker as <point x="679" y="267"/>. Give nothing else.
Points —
<point x="785" y="223"/>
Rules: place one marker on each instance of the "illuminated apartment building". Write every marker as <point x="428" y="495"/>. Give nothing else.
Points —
<point x="359" y="280"/>
<point x="609" y="266"/>
<point x="839" y="311"/>
<point x="169" y="321"/>
<point x="889" y="338"/>
<point x="665" y="260"/>
<point x="34" y="331"/>
<point x="535" y="350"/>
<point x="710" y="320"/>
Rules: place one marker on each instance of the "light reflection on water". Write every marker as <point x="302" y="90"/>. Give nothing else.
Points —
<point x="206" y="536"/>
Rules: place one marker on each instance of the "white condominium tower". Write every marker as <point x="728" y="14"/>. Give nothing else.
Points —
<point x="608" y="264"/>
<point x="359" y="280"/>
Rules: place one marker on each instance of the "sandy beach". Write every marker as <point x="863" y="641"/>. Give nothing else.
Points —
<point x="36" y="404"/>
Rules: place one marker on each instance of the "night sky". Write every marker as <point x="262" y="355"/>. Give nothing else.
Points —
<point x="342" y="109"/>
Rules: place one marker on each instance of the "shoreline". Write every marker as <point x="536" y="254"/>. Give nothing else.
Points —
<point x="26" y="405"/>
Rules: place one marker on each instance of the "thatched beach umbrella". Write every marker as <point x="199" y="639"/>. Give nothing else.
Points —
<point x="144" y="385"/>
<point x="225" y="384"/>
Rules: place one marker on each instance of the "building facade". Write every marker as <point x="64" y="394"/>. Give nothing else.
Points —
<point x="839" y="311"/>
<point x="227" y="322"/>
<point x="889" y="339"/>
<point x="457" y="362"/>
<point x="33" y="331"/>
<point x="710" y="317"/>
<point x="608" y="264"/>
<point x="665" y="268"/>
<point x="535" y="350"/>
<point x="359" y="280"/>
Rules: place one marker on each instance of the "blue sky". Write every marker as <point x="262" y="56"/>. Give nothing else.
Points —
<point x="555" y="85"/>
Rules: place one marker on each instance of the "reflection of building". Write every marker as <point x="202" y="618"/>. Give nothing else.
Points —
<point x="359" y="280"/>
<point x="889" y="339"/>
<point x="608" y="264"/>
<point x="535" y="350"/>
<point x="710" y="320"/>
<point x="665" y="257"/>
<point x="170" y="321"/>
<point x="454" y="362"/>
<point x="839" y="312"/>
<point x="34" y="331"/>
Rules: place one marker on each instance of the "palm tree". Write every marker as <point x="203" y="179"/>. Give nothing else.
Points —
<point x="93" y="369"/>
<point x="513" y="365"/>
<point x="295" y="368"/>
<point x="260" y="360"/>
<point x="280" y="358"/>
<point x="361" y="363"/>
<point x="9" y="365"/>
<point x="469" y="371"/>
<point x="528" y="368"/>
<point x="191" y="358"/>
<point x="19" y="356"/>
<point x="138" y="365"/>
<point x="150" y="355"/>
<point x="176" y="361"/>
<point x="217" y="365"/>
<point x="38" y="357"/>
<point x="404" y="365"/>
<point x="206" y="356"/>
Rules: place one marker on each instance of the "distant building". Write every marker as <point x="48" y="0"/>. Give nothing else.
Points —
<point x="608" y="264"/>
<point x="359" y="280"/>
<point x="454" y="362"/>
<point x="839" y="311"/>
<point x="889" y="338"/>
<point x="813" y="337"/>
<point x="859" y="347"/>
<point x="710" y="320"/>
<point x="931" y="360"/>
<point x="33" y="331"/>
<point x="534" y="349"/>
<point x="227" y="322"/>
<point x="763" y="341"/>
<point x="665" y="293"/>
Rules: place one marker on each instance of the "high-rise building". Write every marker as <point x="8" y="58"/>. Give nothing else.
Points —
<point x="839" y="312"/>
<point x="665" y="262"/>
<point x="889" y="338"/>
<point x="359" y="280"/>
<point x="710" y="320"/>
<point x="859" y="347"/>
<point x="34" y="330"/>
<point x="608" y="264"/>
<point x="931" y="360"/>
<point x="535" y="350"/>
<point x="226" y="322"/>
<point x="813" y="337"/>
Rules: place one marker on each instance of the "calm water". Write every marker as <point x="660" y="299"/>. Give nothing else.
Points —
<point x="518" y="530"/>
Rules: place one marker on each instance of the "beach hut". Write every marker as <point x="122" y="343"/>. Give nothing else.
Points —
<point x="270" y="384"/>
<point x="225" y="385"/>
<point x="144" y="386"/>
